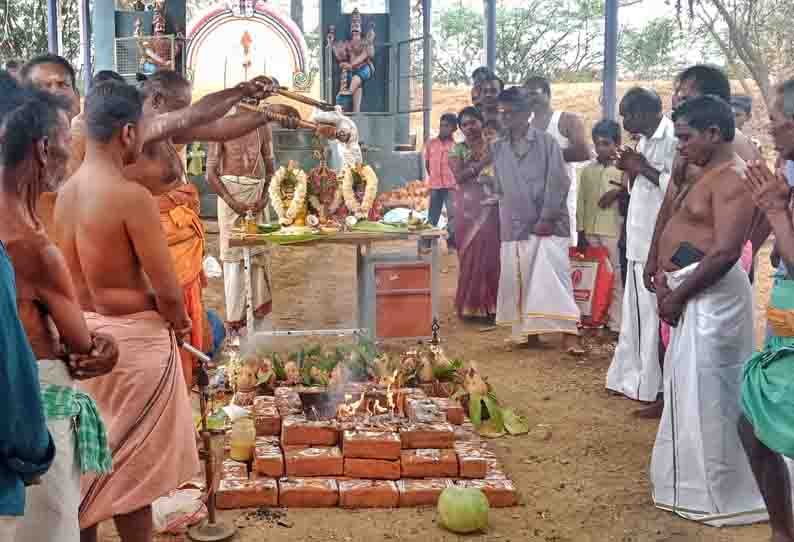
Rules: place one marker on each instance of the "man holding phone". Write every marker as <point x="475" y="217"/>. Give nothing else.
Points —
<point x="698" y="469"/>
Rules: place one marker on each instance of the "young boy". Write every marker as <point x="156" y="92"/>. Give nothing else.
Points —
<point x="598" y="216"/>
<point x="440" y="178"/>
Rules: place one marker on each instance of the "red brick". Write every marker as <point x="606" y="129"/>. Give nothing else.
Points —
<point x="234" y="470"/>
<point x="377" y="469"/>
<point x="421" y="492"/>
<point x="266" y="416"/>
<point x="429" y="463"/>
<point x="268" y="458"/>
<point x="425" y="435"/>
<point x="451" y="409"/>
<point x="466" y="432"/>
<point x="308" y="492"/>
<point x="501" y="493"/>
<point x="296" y="430"/>
<point x="368" y="494"/>
<point x="371" y="445"/>
<point x="247" y="493"/>
<point x="423" y="411"/>
<point x="473" y="459"/>
<point x="320" y="461"/>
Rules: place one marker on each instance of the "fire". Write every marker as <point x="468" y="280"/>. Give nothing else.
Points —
<point x="349" y="409"/>
<point x="392" y="407"/>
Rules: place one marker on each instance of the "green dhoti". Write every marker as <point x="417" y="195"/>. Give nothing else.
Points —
<point x="768" y="385"/>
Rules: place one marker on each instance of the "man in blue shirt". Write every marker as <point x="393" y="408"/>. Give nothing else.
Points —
<point x="26" y="449"/>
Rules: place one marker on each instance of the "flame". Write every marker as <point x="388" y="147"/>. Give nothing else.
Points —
<point x="392" y="407"/>
<point x="379" y="409"/>
<point x="349" y="409"/>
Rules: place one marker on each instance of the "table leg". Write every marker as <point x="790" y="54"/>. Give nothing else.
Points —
<point x="249" y="291"/>
<point x="434" y="276"/>
<point x="362" y="292"/>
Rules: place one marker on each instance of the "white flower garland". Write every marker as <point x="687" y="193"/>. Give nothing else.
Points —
<point x="298" y="197"/>
<point x="367" y="174"/>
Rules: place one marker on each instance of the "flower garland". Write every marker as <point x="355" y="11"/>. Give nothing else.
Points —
<point x="298" y="197"/>
<point x="365" y="173"/>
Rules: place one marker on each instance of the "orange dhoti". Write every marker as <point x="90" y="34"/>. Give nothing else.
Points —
<point x="185" y="234"/>
<point x="146" y="409"/>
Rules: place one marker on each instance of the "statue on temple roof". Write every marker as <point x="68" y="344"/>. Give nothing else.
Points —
<point x="155" y="52"/>
<point x="355" y="57"/>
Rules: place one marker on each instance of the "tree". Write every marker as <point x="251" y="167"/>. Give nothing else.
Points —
<point x="23" y="29"/>
<point x="554" y="37"/>
<point x="755" y="36"/>
<point x="648" y="52"/>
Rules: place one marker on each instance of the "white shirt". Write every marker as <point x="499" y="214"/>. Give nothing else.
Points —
<point x="646" y="197"/>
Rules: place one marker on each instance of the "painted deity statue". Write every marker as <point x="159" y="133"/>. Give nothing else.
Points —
<point x="355" y="57"/>
<point x="155" y="52"/>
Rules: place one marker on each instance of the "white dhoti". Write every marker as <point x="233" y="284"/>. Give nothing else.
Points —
<point x="571" y="202"/>
<point x="245" y="190"/>
<point x="535" y="288"/>
<point x="635" y="371"/>
<point x="52" y="507"/>
<point x="699" y="469"/>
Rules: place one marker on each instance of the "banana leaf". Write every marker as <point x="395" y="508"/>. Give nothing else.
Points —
<point x="494" y="411"/>
<point x="515" y="424"/>
<point x="281" y="239"/>
<point x="379" y="227"/>
<point x="475" y="409"/>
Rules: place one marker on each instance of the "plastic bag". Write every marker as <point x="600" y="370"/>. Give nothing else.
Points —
<point x="593" y="279"/>
<point x="178" y="510"/>
<point x="212" y="268"/>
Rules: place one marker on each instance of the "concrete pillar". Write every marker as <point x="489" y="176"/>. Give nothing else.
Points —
<point x="52" y="26"/>
<point x="609" y="94"/>
<point x="427" y="79"/>
<point x="85" y="44"/>
<point x="104" y="32"/>
<point x="490" y="34"/>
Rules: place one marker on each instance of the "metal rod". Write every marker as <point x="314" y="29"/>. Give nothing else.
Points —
<point x="314" y="332"/>
<point x="196" y="352"/>
<point x="52" y="26"/>
<point x="308" y="100"/>
<point x="427" y="76"/>
<point x="490" y="34"/>
<point x="609" y="94"/>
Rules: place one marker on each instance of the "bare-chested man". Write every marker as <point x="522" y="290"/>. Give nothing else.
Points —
<point x="698" y="469"/>
<point x="767" y="424"/>
<point x="239" y="172"/>
<point x="109" y="231"/>
<point x="35" y="131"/>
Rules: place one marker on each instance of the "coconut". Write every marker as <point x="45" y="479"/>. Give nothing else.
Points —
<point x="463" y="510"/>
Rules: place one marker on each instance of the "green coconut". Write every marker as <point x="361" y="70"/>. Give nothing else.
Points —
<point x="463" y="510"/>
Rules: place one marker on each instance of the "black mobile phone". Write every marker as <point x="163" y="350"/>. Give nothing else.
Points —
<point x="686" y="255"/>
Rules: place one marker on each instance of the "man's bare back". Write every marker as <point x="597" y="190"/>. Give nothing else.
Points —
<point x="92" y="215"/>
<point x="694" y="208"/>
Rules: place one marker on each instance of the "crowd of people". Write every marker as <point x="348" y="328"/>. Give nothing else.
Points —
<point x="100" y="276"/>
<point x="675" y="215"/>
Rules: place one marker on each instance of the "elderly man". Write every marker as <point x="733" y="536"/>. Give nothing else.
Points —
<point x="697" y="468"/>
<point x="568" y="131"/>
<point x="767" y="424"/>
<point x="635" y="370"/>
<point x="535" y="289"/>
<point x="26" y="448"/>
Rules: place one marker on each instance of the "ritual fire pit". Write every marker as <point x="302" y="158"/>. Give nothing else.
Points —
<point x="361" y="447"/>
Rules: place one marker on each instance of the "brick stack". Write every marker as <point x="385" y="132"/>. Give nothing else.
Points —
<point x="358" y="463"/>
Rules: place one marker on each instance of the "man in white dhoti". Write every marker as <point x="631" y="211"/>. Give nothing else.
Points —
<point x="635" y="370"/>
<point x="698" y="467"/>
<point x="568" y="131"/>
<point x="239" y="171"/>
<point x="535" y="289"/>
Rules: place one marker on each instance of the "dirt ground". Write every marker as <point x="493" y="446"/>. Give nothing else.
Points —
<point x="582" y="471"/>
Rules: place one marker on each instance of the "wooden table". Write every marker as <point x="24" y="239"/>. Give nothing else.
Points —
<point x="365" y="260"/>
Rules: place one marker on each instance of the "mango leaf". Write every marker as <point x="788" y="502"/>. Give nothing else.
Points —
<point x="515" y="424"/>
<point x="491" y="429"/>
<point x="264" y="378"/>
<point x="475" y="409"/>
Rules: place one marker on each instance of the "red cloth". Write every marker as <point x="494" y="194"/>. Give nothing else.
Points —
<point x="437" y="155"/>
<point x="477" y="235"/>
